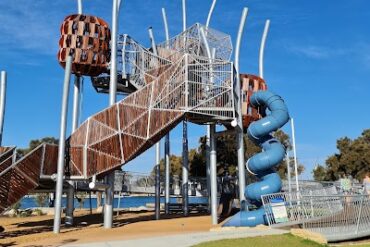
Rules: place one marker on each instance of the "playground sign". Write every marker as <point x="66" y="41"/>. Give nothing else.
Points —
<point x="279" y="210"/>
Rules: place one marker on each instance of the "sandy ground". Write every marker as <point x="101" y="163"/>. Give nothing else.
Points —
<point x="37" y="230"/>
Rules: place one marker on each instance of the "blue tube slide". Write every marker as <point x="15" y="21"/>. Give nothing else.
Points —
<point x="262" y="164"/>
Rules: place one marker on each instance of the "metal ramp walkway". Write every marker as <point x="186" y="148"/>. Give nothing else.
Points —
<point x="19" y="177"/>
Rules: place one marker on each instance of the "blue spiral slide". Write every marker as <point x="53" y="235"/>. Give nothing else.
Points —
<point x="262" y="164"/>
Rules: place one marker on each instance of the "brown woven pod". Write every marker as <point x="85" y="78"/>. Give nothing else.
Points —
<point x="250" y="84"/>
<point x="86" y="38"/>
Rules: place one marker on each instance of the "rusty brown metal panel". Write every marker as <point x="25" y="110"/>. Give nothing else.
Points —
<point x="21" y="177"/>
<point x="50" y="159"/>
<point x="108" y="117"/>
<point x="76" y="160"/>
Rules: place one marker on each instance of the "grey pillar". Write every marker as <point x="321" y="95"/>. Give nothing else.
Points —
<point x="70" y="203"/>
<point x="61" y="151"/>
<point x="167" y="172"/>
<point x="239" y="128"/>
<point x="2" y="104"/>
<point x="109" y="193"/>
<point x="108" y="202"/>
<point x="157" y="148"/>
<point x="167" y="138"/>
<point x="75" y="117"/>
<point x="185" y="168"/>
<point x="213" y="168"/>
<point x="208" y="171"/>
<point x="157" y="191"/>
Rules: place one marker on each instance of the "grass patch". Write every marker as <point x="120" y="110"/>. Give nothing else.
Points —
<point x="284" y="240"/>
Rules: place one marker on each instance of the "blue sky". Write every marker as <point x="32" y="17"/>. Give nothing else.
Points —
<point x="317" y="58"/>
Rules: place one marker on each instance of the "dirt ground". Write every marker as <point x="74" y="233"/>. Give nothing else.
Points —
<point x="38" y="230"/>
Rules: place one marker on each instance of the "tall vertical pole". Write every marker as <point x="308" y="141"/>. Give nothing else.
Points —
<point x="210" y="13"/>
<point x="295" y="154"/>
<point x="240" y="136"/>
<point x="167" y="138"/>
<point x="157" y="150"/>
<point x="109" y="192"/>
<point x="208" y="162"/>
<point x="208" y="127"/>
<point x="75" y="118"/>
<point x="213" y="165"/>
<point x="157" y="182"/>
<point x="208" y="136"/>
<point x="2" y="104"/>
<point x="262" y="47"/>
<point x="185" y="168"/>
<point x="61" y="150"/>
<point x="183" y="15"/>
<point x="288" y="173"/>
<point x="185" y="151"/>
<point x="113" y="62"/>
<point x="79" y="6"/>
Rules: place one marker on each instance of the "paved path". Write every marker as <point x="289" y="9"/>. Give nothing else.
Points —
<point x="185" y="240"/>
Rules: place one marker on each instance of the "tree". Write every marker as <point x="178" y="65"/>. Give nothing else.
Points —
<point x="352" y="159"/>
<point x="35" y="143"/>
<point x="226" y="156"/>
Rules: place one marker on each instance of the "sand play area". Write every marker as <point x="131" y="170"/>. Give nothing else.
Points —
<point x="37" y="230"/>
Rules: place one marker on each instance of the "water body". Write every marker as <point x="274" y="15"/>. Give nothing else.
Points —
<point x="126" y="201"/>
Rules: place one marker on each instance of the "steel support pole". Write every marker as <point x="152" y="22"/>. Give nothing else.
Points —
<point x="239" y="128"/>
<point x="157" y="148"/>
<point x="108" y="201"/>
<point x="113" y="62"/>
<point x="75" y="118"/>
<point x="2" y="104"/>
<point x="289" y="176"/>
<point x="211" y="55"/>
<point x="213" y="165"/>
<point x="210" y="13"/>
<point x="70" y="203"/>
<point x="262" y="47"/>
<point x="208" y="167"/>
<point x="295" y="154"/>
<point x="109" y="192"/>
<point x="185" y="168"/>
<point x="157" y="183"/>
<point x="183" y="15"/>
<point x="167" y="172"/>
<point x="61" y="150"/>
<point x="167" y="138"/>
<point x="79" y="6"/>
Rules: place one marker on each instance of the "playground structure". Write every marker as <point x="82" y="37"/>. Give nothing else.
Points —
<point x="189" y="77"/>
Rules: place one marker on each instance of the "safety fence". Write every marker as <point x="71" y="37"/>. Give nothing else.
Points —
<point x="335" y="215"/>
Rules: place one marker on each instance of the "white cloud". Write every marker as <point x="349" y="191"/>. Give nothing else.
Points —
<point x="30" y="26"/>
<point x="318" y="52"/>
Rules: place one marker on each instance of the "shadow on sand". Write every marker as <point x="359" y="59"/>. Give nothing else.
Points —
<point x="81" y="222"/>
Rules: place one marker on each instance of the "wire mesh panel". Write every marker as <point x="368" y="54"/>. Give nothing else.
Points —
<point x="138" y="64"/>
<point x="352" y="221"/>
<point x="299" y="208"/>
<point x="190" y="42"/>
